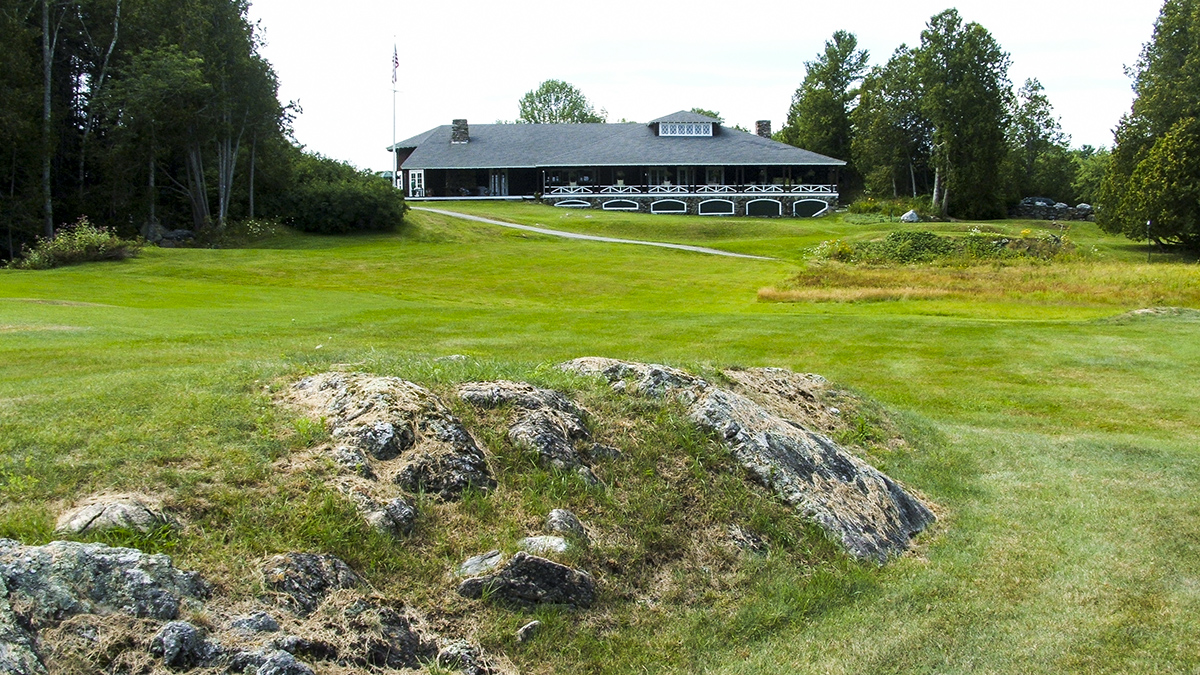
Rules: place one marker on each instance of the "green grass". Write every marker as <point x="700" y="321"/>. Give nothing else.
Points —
<point x="1057" y="437"/>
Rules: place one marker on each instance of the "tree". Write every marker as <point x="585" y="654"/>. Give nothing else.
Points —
<point x="556" y="102"/>
<point x="966" y="97"/>
<point x="1154" y="171"/>
<point x="1043" y="162"/>
<point x="1090" y="166"/>
<point x="709" y="113"/>
<point x="892" y="136"/>
<point x="819" y="118"/>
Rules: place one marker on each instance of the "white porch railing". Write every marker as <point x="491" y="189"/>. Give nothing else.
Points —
<point x="576" y="190"/>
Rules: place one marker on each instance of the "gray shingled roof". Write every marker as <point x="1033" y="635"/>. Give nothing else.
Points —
<point x="514" y="146"/>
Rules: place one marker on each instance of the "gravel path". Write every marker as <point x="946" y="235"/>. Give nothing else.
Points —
<point x="590" y="237"/>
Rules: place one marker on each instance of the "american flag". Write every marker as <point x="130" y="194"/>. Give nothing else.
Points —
<point x="395" y="63"/>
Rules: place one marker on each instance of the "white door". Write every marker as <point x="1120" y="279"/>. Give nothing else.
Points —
<point x="416" y="183"/>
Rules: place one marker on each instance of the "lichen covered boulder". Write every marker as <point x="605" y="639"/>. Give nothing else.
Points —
<point x="138" y="513"/>
<point x="527" y="580"/>
<point x="395" y="431"/>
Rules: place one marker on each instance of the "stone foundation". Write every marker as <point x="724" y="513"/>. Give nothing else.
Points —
<point x="741" y="203"/>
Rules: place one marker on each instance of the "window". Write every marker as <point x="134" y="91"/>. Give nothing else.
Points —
<point x="685" y="129"/>
<point x="416" y="183"/>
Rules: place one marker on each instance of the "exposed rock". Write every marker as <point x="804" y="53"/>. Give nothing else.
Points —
<point x="306" y="647"/>
<point x="868" y="512"/>
<point x="352" y="460"/>
<point x="528" y="580"/>
<point x="528" y="631"/>
<point x="546" y="421"/>
<point x="396" y="430"/>
<point x="306" y="578"/>
<point x="258" y="622"/>
<point x="480" y="564"/>
<point x="453" y="358"/>
<point x="397" y="517"/>
<point x="381" y="635"/>
<point x="47" y="584"/>
<point x="746" y="540"/>
<point x="181" y="646"/>
<point x="796" y="397"/>
<point x="17" y="655"/>
<point x="563" y="522"/>
<point x="107" y="512"/>
<point x="462" y="656"/>
<point x="544" y="544"/>
<point x="268" y="662"/>
<point x="910" y="217"/>
<point x="648" y="379"/>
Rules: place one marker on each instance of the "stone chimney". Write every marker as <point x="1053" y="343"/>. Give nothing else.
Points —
<point x="460" y="132"/>
<point x="763" y="128"/>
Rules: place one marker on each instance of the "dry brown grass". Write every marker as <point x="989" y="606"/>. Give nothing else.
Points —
<point x="1074" y="283"/>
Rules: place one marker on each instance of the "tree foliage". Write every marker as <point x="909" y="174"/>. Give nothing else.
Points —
<point x="1042" y="161"/>
<point x="1154" y="171"/>
<point x="966" y="97"/>
<point x="819" y="117"/>
<point x="130" y="111"/>
<point x="558" y="102"/>
<point x="892" y="136"/>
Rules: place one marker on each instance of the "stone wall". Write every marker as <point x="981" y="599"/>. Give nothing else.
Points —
<point x="1059" y="211"/>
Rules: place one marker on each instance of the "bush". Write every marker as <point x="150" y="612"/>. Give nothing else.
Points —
<point x="77" y="243"/>
<point x="909" y="248"/>
<point x="894" y="208"/>
<point x="332" y="197"/>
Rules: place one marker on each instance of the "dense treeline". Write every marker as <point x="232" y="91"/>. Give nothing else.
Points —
<point x="939" y="121"/>
<point x="140" y="111"/>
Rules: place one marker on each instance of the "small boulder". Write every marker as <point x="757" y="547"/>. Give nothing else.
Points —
<point x="268" y="662"/>
<point x="51" y="583"/>
<point x="746" y="540"/>
<point x="480" y="564"/>
<point x="182" y="646"/>
<point x="546" y="421"/>
<point x="528" y="631"/>
<point x="108" y="512"/>
<point x="462" y="656"/>
<point x="528" y="580"/>
<point x="648" y="379"/>
<point x="910" y="217"/>
<point x="397" y="517"/>
<point x="563" y="522"/>
<point x="258" y="622"/>
<point x="544" y="544"/>
<point x="306" y="578"/>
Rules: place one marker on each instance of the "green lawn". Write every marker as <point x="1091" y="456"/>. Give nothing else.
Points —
<point x="1058" y="438"/>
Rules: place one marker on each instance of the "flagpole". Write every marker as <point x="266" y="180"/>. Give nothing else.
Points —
<point x="395" y="154"/>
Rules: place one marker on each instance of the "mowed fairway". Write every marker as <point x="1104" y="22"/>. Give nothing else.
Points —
<point x="1061" y="442"/>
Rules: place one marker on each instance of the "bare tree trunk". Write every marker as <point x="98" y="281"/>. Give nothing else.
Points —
<point x="47" y="145"/>
<point x="937" y="185"/>
<point x="912" y="176"/>
<point x="197" y="189"/>
<point x="945" y="200"/>
<point x="89" y="117"/>
<point x="253" y="147"/>
<point x="153" y="195"/>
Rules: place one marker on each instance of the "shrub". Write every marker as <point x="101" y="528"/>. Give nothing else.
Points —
<point x="332" y="197"/>
<point x="909" y="248"/>
<point x="893" y="208"/>
<point x="76" y="243"/>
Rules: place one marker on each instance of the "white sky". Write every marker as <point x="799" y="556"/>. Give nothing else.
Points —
<point x="642" y="60"/>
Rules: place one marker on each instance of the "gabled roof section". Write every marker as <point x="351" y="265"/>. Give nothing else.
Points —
<point x="517" y="146"/>
<point x="686" y="116"/>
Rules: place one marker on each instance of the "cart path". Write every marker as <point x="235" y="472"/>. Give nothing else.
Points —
<point x="590" y="237"/>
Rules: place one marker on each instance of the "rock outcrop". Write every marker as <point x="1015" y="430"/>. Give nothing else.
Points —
<point x="546" y="421"/>
<point x="528" y="580"/>
<point x="395" y="432"/>
<point x="869" y="513"/>
<point x="108" y="512"/>
<point x="306" y="578"/>
<point x="42" y="586"/>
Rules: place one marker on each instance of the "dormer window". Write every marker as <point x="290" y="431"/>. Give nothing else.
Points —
<point x="685" y="129"/>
